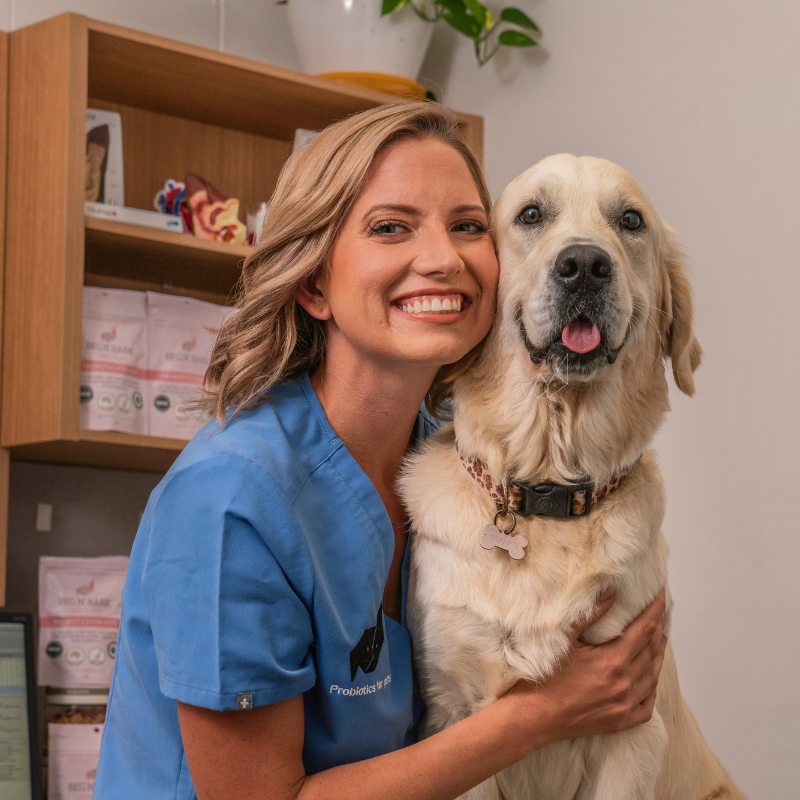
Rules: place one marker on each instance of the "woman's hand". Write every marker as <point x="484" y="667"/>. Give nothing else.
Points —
<point x="601" y="689"/>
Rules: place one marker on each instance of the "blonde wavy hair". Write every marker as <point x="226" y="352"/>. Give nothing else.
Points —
<point x="271" y="338"/>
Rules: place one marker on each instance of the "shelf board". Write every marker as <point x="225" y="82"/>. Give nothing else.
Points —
<point x="110" y="449"/>
<point x="135" y="253"/>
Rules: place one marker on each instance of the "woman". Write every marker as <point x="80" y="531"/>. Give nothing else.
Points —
<point x="263" y="651"/>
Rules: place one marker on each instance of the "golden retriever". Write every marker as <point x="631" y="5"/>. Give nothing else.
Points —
<point x="564" y="400"/>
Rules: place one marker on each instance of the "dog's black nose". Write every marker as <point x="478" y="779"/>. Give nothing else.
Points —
<point x="583" y="267"/>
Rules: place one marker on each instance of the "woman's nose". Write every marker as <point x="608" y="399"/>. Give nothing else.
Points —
<point x="438" y="255"/>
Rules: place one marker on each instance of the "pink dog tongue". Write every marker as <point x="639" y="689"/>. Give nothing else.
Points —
<point x="580" y="337"/>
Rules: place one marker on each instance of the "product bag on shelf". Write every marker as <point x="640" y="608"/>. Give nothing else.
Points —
<point x="72" y="755"/>
<point x="180" y="347"/>
<point x="114" y="360"/>
<point x="79" y="609"/>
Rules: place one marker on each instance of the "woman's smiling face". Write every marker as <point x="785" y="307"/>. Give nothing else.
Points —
<point x="412" y="274"/>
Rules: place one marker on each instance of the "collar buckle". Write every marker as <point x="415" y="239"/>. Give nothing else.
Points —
<point x="554" y="499"/>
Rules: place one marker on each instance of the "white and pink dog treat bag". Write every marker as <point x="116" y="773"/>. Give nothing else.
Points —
<point x="114" y="360"/>
<point x="79" y="609"/>
<point x="180" y="350"/>
<point x="72" y="755"/>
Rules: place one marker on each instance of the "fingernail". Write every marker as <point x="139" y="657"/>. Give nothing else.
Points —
<point x="606" y="594"/>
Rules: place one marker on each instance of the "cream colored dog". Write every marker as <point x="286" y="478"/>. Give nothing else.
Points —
<point x="570" y="389"/>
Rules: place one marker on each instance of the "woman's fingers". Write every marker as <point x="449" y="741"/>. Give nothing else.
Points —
<point x="642" y="630"/>
<point x="643" y="659"/>
<point x="644" y="711"/>
<point x="604" y="603"/>
<point x="646" y="684"/>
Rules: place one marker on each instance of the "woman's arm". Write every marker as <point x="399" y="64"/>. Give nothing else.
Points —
<point x="604" y="689"/>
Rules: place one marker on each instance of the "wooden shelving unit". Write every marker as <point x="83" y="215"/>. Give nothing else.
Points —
<point x="106" y="449"/>
<point x="183" y="109"/>
<point x="4" y="453"/>
<point x="123" y="256"/>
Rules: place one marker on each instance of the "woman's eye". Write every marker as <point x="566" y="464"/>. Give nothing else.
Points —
<point x="530" y="215"/>
<point x="469" y="226"/>
<point x="387" y="228"/>
<point x="632" y="220"/>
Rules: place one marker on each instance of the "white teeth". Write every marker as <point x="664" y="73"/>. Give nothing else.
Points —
<point x="432" y="305"/>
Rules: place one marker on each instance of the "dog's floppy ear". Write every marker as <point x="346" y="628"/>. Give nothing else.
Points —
<point x="677" y="314"/>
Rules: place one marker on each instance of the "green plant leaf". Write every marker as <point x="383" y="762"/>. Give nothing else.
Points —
<point x="464" y="24"/>
<point x="456" y="6"/>
<point x="478" y="11"/>
<point x="516" y="39"/>
<point x="392" y="5"/>
<point x="516" y="17"/>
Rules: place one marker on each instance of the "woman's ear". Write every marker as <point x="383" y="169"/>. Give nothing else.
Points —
<point x="313" y="300"/>
<point x="677" y="314"/>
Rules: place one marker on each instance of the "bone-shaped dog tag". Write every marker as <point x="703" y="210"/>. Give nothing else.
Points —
<point x="494" y="537"/>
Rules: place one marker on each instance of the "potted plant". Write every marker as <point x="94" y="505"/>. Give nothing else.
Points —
<point x="381" y="44"/>
<point x="473" y="19"/>
<point x="352" y="41"/>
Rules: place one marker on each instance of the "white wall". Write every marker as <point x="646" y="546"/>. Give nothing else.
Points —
<point x="700" y="100"/>
<point x="251" y="28"/>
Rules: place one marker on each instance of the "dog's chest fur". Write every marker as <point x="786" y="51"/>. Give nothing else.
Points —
<point x="481" y="620"/>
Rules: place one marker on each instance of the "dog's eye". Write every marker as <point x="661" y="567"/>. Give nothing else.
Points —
<point x="530" y="215"/>
<point x="632" y="220"/>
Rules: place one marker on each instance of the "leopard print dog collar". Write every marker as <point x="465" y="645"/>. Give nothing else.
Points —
<point x="543" y="499"/>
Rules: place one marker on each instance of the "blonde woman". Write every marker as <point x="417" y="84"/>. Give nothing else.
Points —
<point x="263" y="651"/>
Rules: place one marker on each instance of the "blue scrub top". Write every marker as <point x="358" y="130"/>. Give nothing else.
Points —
<point x="257" y="574"/>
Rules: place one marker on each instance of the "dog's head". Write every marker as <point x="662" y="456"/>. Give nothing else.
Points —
<point x="586" y="266"/>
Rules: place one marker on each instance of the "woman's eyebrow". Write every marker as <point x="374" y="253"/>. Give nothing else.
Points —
<point x="403" y="209"/>
<point x="465" y="209"/>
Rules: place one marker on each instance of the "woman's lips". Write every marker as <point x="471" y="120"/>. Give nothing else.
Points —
<point x="431" y="304"/>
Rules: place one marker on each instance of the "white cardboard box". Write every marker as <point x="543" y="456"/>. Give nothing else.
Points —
<point x="134" y="216"/>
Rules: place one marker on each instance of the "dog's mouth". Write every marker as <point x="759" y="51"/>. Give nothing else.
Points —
<point x="578" y="347"/>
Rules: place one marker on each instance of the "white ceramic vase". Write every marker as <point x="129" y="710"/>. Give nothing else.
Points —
<point x="351" y="36"/>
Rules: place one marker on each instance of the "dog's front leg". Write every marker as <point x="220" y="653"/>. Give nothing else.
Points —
<point x="625" y="766"/>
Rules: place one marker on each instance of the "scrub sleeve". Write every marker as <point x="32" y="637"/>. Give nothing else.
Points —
<point x="239" y="625"/>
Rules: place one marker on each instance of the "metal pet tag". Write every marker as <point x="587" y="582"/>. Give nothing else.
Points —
<point x="494" y="537"/>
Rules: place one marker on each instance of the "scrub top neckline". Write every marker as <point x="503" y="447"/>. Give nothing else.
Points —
<point x="322" y="417"/>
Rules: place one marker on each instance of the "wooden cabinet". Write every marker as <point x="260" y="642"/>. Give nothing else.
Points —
<point x="183" y="108"/>
<point x="4" y="454"/>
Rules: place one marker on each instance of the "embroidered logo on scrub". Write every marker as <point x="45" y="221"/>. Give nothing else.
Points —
<point x="368" y="650"/>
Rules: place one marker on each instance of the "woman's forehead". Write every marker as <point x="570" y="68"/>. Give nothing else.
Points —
<point x="427" y="167"/>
